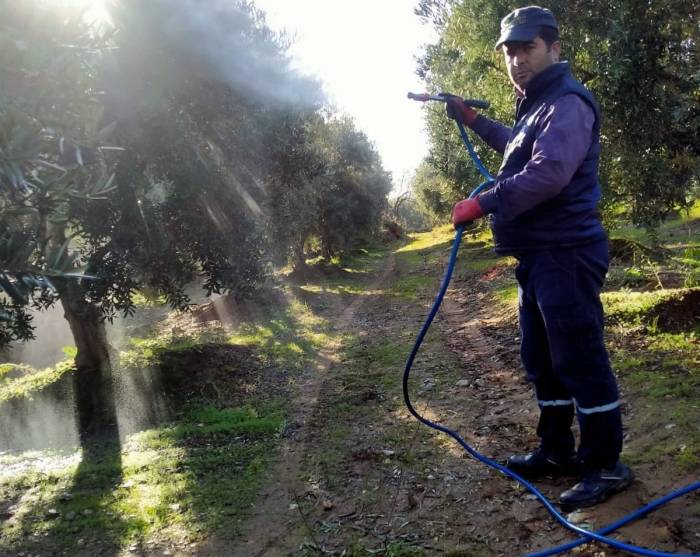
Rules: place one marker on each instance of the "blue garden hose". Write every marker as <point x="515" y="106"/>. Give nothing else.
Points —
<point x="586" y="536"/>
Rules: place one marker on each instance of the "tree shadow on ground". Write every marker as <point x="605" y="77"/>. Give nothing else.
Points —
<point x="59" y="512"/>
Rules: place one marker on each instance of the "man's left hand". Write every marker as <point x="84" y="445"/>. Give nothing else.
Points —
<point x="457" y="110"/>
<point x="465" y="211"/>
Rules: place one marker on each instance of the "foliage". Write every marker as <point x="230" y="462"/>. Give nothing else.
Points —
<point x="189" y="207"/>
<point x="407" y="211"/>
<point x="223" y="156"/>
<point x="294" y="168"/>
<point x="354" y="190"/>
<point x="52" y="156"/>
<point x="145" y="352"/>
<point x="433" y="193"/>
<point x="639" y="58"/>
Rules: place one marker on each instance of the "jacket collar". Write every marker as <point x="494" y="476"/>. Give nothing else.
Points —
<point x="539" y="84"/>
<point x="544" y="79"/>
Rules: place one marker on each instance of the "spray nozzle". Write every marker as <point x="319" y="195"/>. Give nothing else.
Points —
<point x="423" y="97"/>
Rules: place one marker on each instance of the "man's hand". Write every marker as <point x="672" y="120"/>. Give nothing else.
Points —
<point x="465" y="211"/>
<point x="457" y="110"/>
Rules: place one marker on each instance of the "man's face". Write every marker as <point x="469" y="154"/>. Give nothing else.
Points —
<point x="526" y="60"/>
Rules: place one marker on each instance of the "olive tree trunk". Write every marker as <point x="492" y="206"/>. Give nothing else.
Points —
<point x="94" y="394"/>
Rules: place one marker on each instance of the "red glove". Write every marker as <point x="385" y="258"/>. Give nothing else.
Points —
<point x="457" y="110"/>
<point x="466" y="211"/>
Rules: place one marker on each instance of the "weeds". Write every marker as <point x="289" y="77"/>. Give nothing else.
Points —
<point x="32" y="381"/>
<point x="172" y="483"/>
<point x="181" y="481"/>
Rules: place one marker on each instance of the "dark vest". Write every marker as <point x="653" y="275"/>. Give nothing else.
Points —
<point x="571" y="218"/>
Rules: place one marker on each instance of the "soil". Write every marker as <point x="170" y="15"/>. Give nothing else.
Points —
<point x="627" y="250"/>
<point x="272" y="528"/>
<point x="678" y="314"/>
<point x="428" y="495"/>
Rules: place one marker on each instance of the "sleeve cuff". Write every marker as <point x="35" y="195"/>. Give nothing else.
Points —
<point x="480" y="125"/>
<point x="488" y="201"/>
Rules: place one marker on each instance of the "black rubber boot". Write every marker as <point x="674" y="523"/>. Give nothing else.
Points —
<point x="539" y="464"/>
<point x="596" y="486"/>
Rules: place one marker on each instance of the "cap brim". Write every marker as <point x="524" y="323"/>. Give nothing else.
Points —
<point x="519" y="34"/>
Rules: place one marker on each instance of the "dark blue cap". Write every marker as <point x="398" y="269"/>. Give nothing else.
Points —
<point x="523" y="24"/>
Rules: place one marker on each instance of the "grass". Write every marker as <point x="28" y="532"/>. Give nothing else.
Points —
<point x="423" y="260"/>
<point x="680" y="257"/>
<point x="148" y="351"/>
<point x="32" y="381"/>
<point x="148" y="300"/>
<point x="174" y="483"/>
<point x="668" y="231"/>
<point x="177" y="483"/>
<point x="630" y="306"/>
<point x="681" y="342"/>
<point x="659" y="369"/>
<point x="412" y="287"/>
<point x="290" y="336"/>
<point x="426" y="241"/>
<point x="507" y="295"/>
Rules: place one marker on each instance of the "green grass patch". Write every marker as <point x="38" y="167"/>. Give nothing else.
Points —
<point x="179" y="482"/>
<point x="175" y="483"/>
<point x="677" y="263"/>
<point x="208" y="420"/>
<point x="335" y="287"/>
<point x="666" y="231"/>
<point x="361" y="261"/>
<point x="629" y="306"/>
<point x="656" y="384"/>
<point x="424" y="258"/>
<point x="688" y="343"/>
<point x="288" y="337"/>
<point x="149" y="351"/>
<point x="368" y="354"/>
<point x="507" y="295"/>
<point x="412" y="287"/>
<point x="33" y="381"/>
<point x="146" y="300"/>
<point x="423" y="241"/>
<point x="471" y="263"/>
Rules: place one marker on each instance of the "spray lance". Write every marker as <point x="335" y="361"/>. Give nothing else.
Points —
<point x="586" y="535"/>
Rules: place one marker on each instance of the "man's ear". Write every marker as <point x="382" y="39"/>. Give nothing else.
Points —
<point x="555" y="49"/>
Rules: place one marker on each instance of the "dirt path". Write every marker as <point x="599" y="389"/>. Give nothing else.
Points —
<point x="273" y="528"/>
<point x="359" y="476"/>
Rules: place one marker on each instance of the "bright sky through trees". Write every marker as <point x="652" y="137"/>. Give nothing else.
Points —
<point x="96" y="8"/>
<point x="364" y="52"/>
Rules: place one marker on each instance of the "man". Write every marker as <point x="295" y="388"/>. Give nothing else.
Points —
<point x="542" y="211"/>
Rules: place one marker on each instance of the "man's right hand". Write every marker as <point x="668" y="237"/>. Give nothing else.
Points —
<point x="466" y="211"/>
<point x="457" y="110"/>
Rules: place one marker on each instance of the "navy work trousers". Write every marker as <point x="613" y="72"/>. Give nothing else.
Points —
<point x="563" y="351"/>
